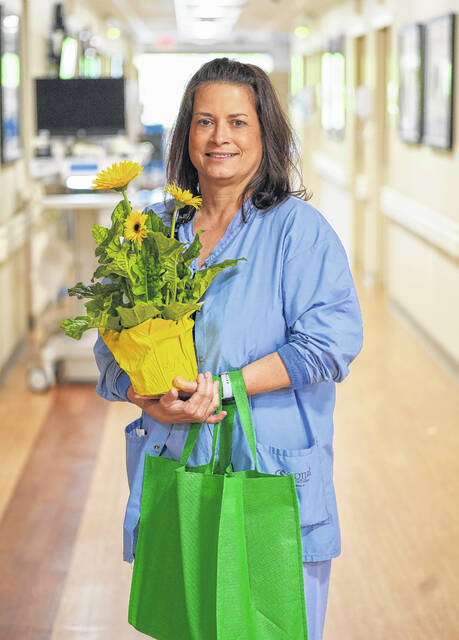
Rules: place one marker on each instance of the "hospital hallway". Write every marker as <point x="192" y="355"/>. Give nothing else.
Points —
<point x="63" y="490"/>
<point x="339" y="119"/>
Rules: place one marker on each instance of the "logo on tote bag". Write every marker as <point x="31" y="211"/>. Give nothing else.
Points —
<point x="301" y="477"/>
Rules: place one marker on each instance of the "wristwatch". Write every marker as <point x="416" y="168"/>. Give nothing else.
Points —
<point x="227" y="389"/>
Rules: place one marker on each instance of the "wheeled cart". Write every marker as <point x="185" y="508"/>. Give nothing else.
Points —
<point x="56" y="355"/>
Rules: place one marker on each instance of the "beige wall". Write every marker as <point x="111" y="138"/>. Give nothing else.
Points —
<point x="423" y="279"/>
<point x="403" y="243"/>
<point x="417" y="170"/>
<point x="280" y="81"/>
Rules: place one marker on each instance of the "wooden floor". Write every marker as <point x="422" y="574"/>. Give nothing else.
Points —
<point x="63" y="492"/>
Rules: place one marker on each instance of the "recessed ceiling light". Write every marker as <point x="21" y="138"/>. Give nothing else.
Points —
<point x="301" y="31"/>
<point x="204" y="20"/>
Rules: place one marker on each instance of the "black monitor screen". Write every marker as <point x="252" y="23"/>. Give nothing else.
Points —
<point x="80" y="105"/>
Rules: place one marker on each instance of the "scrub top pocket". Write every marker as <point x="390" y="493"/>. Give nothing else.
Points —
<point x="135" y="441"/>
<point x="305" y="466"/>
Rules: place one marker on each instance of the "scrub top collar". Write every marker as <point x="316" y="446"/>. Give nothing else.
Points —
<point x="186" y="235"/>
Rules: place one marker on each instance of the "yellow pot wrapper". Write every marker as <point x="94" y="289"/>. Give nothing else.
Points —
<point x="154" y="353"/>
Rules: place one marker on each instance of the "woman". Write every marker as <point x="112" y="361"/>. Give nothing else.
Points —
<point x="288" y="316"/>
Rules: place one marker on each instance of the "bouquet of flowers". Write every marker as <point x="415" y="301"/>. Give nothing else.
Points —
<point x="144" y="303"/>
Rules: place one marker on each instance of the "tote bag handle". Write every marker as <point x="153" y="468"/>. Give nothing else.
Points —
<point x="195" y="428"/>
<point x="225" y="442"/>
<point x="243" y="408"/>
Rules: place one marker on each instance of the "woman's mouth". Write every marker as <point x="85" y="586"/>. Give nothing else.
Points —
<point x="221" y="156"/>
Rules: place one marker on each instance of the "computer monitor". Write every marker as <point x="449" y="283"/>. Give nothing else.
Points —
<point x="80" y="106"/>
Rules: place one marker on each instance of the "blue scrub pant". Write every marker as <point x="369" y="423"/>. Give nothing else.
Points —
<point x="316" y="581"/>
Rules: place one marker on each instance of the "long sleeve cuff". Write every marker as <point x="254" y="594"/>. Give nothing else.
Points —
<point x="122" y="384"/>
<point x="294" y="363"/>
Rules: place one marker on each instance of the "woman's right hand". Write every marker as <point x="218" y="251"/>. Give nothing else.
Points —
<point x="169" y="408"/>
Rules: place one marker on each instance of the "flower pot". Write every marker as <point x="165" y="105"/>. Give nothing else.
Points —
<point x="154" y="352"/>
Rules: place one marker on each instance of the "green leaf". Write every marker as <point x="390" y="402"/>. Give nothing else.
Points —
<point x="176" y="310"/>
<point x="102" y="271"/>
<point x="76" y="327"/>
<point x="169" y="250"/>
<point x="123" y="262"/>
<point x="193" y="250"/>
<point x="203" y="278"/>
<point x="131" y="317"/>
<point x="104" y="304"/>
<point x="119" y="214"/>
<point x="107" y="321"/>
<point x="112" y="241"/>
<point x="99" y="233"/>
<point x="155" y="223"/>
<point x="148" y="272"/>
<point x="80" y="290"/>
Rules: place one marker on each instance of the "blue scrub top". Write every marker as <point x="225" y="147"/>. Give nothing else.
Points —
<point x="294" y="295"/>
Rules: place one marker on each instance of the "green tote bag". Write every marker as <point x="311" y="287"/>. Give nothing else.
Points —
<point x="218" y="554"/>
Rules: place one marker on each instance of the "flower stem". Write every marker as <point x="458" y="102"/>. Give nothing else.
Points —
<point x="127" y="290"/>
<point x="177" y="207"/>
<point x="127" y="203"/>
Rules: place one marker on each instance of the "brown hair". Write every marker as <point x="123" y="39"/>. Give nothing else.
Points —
<point x="271" y="183"/>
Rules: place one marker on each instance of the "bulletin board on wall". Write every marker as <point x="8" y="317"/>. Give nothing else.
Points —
<point x="10" y="80"/>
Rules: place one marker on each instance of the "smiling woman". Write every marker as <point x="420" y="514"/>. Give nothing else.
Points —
<point x="287" y="318"/>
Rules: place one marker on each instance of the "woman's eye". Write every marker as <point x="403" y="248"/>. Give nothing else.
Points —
<point x="204" y="121"/>
<point x="239" y="123"/>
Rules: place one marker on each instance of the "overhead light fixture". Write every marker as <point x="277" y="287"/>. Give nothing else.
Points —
<point x="113" y="33"/>
<point x="11" y="22"/>
<point x="301" y="31"/>
<point x="206" y="20"/>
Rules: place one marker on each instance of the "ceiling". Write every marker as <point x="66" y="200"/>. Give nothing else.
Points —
<point x="150" y="20"/>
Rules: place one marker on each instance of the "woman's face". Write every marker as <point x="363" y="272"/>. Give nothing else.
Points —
<point x="225" y="143"/>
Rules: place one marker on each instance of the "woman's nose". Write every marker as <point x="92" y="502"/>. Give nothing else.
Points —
<point x="220" y="133"/>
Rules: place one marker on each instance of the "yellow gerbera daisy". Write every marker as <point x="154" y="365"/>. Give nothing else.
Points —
<point x="118" y="176"/>
<point x="134" y="227"/>
<point x="183" y="197"/>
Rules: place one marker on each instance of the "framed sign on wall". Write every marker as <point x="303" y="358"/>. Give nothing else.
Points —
<point x="10" y="80"/>
<point x="438" y="82"/>
<point x="411" y="70"/>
